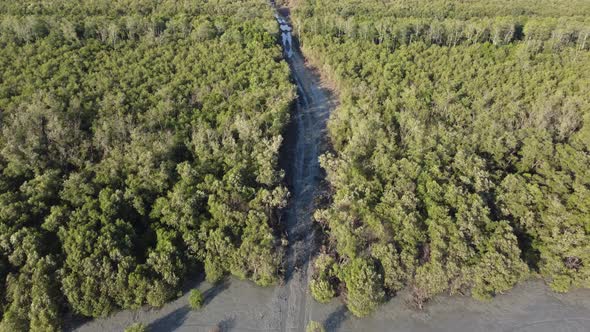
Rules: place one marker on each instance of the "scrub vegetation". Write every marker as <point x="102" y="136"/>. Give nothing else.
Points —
<point x="460" y="150"/>
<point x="139" y="146"/>
<point x="140" y="142"/>
<point x="195" y="299"/>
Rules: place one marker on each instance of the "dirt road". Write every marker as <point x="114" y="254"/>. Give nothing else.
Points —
<point x="313" y="108"/>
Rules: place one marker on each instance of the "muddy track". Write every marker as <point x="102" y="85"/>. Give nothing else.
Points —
<point x="312" y="112"/>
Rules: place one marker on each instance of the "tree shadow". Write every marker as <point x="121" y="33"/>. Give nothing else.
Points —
<point x="72" y="322"/>
<point x="227" y="324"/>
<point x="215" y="290"/>
<point x="170" y="322"/>
<point x="336" y="318"/>
<point x="193" y="279"/>
<point x="306" y="253"/>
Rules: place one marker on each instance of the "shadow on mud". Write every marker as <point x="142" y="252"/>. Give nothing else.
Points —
<point x="335" y="319"/>
<point x="72" y="322"/>
<point x="170" y="322"/>
<point x="227" y="324"/>
<point x="215" y="290"/>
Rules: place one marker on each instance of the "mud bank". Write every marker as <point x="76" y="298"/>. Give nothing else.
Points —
<point x="530" y="306"/>
<point x="242" y="306"/>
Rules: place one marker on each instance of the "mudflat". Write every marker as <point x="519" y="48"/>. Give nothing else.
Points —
<point x="242" y="306"/>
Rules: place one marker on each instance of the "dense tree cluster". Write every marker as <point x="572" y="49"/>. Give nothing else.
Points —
<point x="135" y="147"/>
<point x="457" y="167"/>
<point x="449" y="23"/>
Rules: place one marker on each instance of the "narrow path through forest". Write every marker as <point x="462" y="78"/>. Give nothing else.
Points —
<point x="313" y="108"/>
